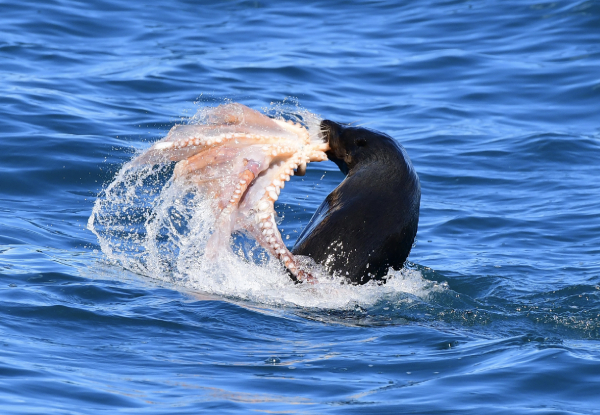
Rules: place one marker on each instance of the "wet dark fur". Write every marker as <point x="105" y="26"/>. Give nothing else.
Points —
<point x="369" y="222"/>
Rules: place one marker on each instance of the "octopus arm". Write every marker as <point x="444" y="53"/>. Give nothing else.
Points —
<point x="240" y="159"/>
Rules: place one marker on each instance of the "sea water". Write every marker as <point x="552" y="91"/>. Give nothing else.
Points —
<point x="498" y="309"/>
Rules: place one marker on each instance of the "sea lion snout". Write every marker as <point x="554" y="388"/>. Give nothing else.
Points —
<point x="331" y="131"/>
<point x="338" y="150"/>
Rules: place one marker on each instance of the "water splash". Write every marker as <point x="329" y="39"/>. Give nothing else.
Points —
<point x="159" y="227"/>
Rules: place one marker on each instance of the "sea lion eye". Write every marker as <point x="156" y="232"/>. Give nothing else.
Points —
<point x="361" y="142"/>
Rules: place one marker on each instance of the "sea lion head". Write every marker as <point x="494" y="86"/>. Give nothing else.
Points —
<point x="352" y="146"/>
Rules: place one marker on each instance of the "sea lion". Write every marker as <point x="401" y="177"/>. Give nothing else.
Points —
<point x="369" y="222"/>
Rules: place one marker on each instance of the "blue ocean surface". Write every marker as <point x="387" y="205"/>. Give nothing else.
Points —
<point x="498" y="309"/>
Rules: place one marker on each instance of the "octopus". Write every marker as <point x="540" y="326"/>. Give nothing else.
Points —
<point x="241" y="159"/>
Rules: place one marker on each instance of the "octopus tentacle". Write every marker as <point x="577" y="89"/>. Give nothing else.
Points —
<point x="241" y="159"/>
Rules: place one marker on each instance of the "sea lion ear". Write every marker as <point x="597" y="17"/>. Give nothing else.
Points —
<point x="360" y="142"/>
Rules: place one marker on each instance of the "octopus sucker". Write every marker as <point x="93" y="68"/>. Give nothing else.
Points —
<point x="240" y="159"/>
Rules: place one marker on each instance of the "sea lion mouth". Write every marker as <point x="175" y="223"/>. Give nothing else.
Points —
<point x="331" y="133"/>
